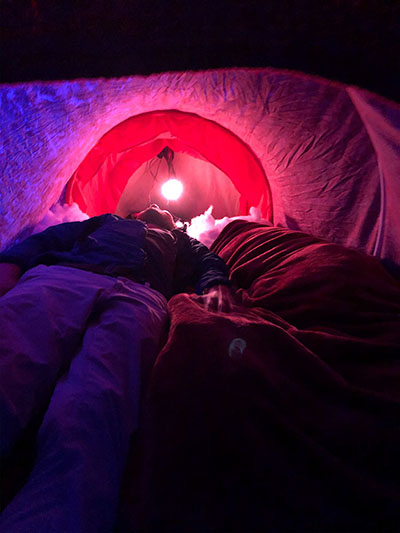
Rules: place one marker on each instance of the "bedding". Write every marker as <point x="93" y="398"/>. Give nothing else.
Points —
<point x="284" y="414"/>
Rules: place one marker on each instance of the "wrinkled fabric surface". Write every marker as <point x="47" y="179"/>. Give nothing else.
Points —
<point x="330" y="152"/>
<point x="284" y="414"/>
<point x="75" y="351"/>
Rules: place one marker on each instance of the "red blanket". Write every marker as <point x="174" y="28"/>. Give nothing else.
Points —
<point x="283" y="415"/>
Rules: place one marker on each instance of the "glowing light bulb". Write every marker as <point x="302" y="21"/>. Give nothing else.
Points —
<point x="172" y="189"/>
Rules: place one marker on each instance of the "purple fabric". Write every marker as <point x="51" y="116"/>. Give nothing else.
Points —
<point x="382" y="122"/>
<point x="170" y="261"/>
<point x="108" y="329"/>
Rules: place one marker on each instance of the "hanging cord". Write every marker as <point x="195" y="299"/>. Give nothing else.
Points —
<point x="149" y="167"/>
<point x="168" y="155"/>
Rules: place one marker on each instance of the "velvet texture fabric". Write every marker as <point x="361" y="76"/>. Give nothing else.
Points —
<point x="284" y="414"/>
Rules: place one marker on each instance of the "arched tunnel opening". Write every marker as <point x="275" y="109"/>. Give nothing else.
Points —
<point x="123" y="172"/>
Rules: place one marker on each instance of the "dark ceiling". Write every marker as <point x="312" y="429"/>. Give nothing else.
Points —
<point x="353" y="41"/>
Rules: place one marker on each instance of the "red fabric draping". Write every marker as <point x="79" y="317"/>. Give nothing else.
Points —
<point x="140" y="138"/>
<point x="282" y="415"/>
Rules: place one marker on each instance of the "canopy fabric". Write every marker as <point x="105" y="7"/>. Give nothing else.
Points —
<point x="123" y="149"/>
<point x="201" y="181"/>
<point x="382" y="122"/>
<point x="330" y="152"/>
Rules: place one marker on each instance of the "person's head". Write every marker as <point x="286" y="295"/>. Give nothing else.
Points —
<point x="159" y="217"/>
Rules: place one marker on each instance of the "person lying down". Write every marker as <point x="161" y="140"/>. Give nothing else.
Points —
<point x="83" y="314"/>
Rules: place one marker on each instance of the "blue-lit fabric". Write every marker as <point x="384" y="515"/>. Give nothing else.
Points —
<point x="170" y="261"/>
<point x="106" y="240"/>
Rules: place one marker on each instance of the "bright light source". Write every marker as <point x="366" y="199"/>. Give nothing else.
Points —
<point x="172" y="189"/>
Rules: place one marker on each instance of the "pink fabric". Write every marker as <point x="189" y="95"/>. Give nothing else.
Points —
<point x="382" y="122"/>
<point x="311" y="136"/>
<point x="74" y="346"/>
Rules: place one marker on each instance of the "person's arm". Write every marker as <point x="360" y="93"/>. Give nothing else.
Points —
<point x="212" y="275"/>
<point x="210" y="269"/>
<point x="59" y="238"/>
<point x="218" y="298"/>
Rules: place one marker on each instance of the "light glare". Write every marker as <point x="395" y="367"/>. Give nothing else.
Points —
<point x="172" y="189"/>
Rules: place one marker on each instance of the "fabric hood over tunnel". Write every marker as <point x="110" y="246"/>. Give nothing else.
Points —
<point x="100" y="179"/>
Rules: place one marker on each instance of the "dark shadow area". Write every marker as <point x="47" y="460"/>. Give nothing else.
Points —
<point x="352" y="41"/>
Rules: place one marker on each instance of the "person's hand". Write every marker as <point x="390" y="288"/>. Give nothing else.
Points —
<point x="218" y="298"/>
<point x="9" y="276"/>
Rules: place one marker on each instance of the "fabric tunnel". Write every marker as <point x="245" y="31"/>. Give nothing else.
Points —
<point x="325" y="154"/>
<point x="208" y="136"/>
<point x="279" y="412"/>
